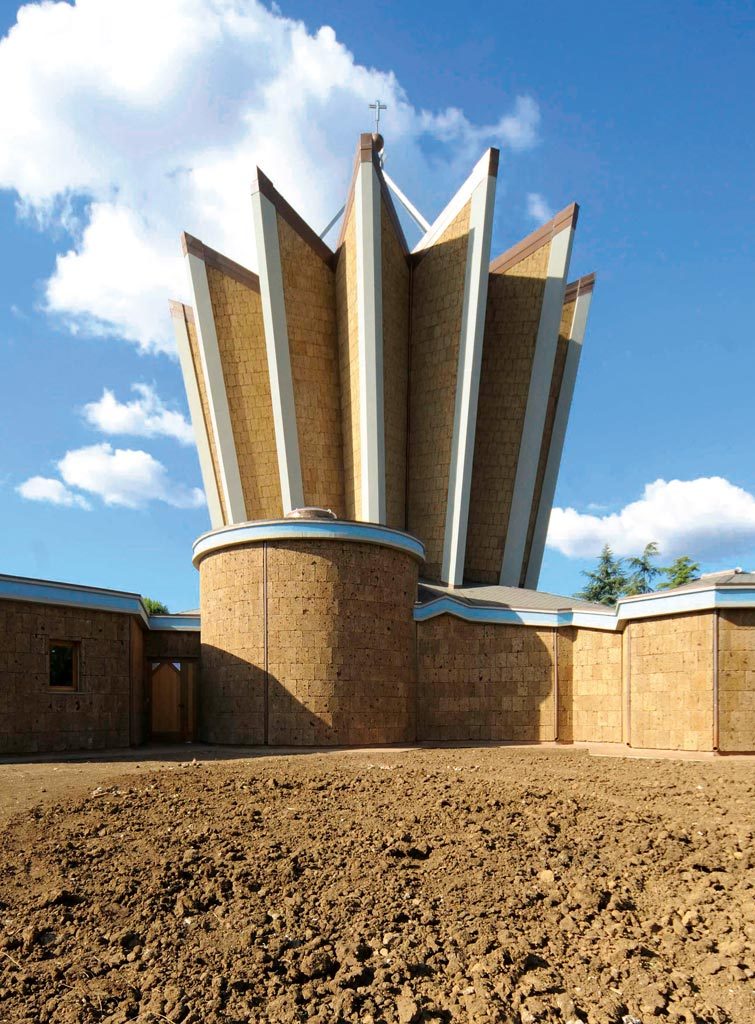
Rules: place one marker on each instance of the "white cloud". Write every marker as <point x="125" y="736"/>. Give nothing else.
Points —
<point x="131" y="120"/>
<point x="117" y="279"/>
<point x="538" y="208"/>
<point x="517" y="130"/>
<point x="124" y="476"/>
<point x="708" y="518"/>
<point x="145" y="416"/>
<point x="48" y="489"/>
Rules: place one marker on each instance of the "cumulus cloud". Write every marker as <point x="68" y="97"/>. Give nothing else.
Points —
<point x="144" y="416"/>
<point x="131" y="120"/>
<point x="124" y="476"/>
<point x="708" y="518"/>
<point x="538" y="208"/>
<point x="52" y="491"/>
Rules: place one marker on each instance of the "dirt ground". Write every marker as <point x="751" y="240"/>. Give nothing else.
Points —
<point x="476" y="884"/>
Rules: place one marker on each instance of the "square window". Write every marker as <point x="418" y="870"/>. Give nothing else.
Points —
<point x="64" y="664"/>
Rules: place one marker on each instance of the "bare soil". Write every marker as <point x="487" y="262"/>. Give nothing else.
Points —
<point x="476" y="884"/>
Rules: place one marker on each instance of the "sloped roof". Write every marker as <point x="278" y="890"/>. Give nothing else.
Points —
<point x="507" y="597"/>
<point x="724" y="578"/>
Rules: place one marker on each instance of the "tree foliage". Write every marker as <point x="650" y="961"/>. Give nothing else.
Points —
<point x="643" y="571"/>
<point x="155" y="607"/>
<point x="682" y="570"/>
<point x="607" y="581"/>
<point x="614" y="577"/>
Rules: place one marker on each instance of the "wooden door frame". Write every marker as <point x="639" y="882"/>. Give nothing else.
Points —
<point x="188" y="730"/>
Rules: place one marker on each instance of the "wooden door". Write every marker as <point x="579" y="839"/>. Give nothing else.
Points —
<point x="165" y="716"/>
<point x="173" y="700"/>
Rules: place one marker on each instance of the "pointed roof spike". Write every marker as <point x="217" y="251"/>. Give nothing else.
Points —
<point x="264" y="185"/>
<point x="580" y="287"/>
<point x="486" y="166"/>
<point x="563" y="219"/>
<point x="215" y="259"/>
<point x="366" y="151"/>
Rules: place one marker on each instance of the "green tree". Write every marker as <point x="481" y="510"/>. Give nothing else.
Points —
<point x="155" y="607"/>
<point x="607" y="581"/>
<point x="643" y="571"/>
<point x="682" y="570"/>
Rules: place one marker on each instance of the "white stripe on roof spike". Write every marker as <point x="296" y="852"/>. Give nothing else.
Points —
<point x="217" y="400"/>
<point x="537" y="405"/>
<point x="188" y="369"/>
<point x="468" y="378"/>
<point x="446" y="216"/>
<point x="560" y="423"/>
<point x="278" y="354"/>
<point x="367" y="202"/>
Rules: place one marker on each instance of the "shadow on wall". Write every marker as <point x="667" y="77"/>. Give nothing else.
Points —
<point x="485" y="682"/>
<point x="242" y="704"/>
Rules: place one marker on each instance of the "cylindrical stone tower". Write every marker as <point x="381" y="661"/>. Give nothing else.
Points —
<point x="307" y="633"/>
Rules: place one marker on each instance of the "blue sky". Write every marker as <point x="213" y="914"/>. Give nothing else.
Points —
<point x="641" y="112"/>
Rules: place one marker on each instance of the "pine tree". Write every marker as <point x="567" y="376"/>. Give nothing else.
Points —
<point x="643" y="571"/>
<point x="155" y="607"/>
<point x="682" y="570"/>
<point x="607" y="581"/>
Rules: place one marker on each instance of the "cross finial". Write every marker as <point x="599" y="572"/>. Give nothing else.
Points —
<point x="377" y="106"/>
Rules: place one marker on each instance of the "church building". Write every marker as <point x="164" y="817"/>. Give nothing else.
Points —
<point x="379" y="431"/>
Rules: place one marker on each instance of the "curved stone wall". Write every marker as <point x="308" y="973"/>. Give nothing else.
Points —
<point x="308" y="640"/>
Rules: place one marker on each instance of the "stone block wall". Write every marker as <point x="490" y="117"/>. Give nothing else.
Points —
<point x="736" y="679"/>
<point x="484" y="682"/>
<point x="308" y="642"/>
<point x="437" y="300"/>
<point x="671" y="682"/>
<point x="590" y="687"/>
<point x="232" y="687"/>
<point x="650" y="686"/>
<point x="340" y="644"/>
<point x="35" y="718"/>
<point x="515" y="298"/>
<point x="559" y="365"/>
<point x="173" y="644"/>
<point x="396" y="280"/>
<point x="309" y="291"/>
<point x="138" y="723"/>
<point x="237" y="310"/>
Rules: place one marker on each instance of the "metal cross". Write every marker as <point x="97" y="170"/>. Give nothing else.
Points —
<point x="377" y="106"/>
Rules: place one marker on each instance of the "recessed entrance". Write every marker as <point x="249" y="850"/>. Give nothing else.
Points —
<point x="173" y="700"/>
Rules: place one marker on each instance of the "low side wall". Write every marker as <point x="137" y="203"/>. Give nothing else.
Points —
<point x="590" y="690"/>
<point x="35" y="718"/>
<point x="671" y="675"/>
<point x="650" y="686"/>
<point x="736" y="679"/>
<point x="484" y="682"/>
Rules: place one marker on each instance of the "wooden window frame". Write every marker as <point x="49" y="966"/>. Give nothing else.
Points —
<point x="75" y="646"/>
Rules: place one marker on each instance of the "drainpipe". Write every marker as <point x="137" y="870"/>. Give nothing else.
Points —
<point x="555" y="685"/>
<point x="629" y="683"/>
<point x="715" y="679"/>
<point x="266" y="685"/>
